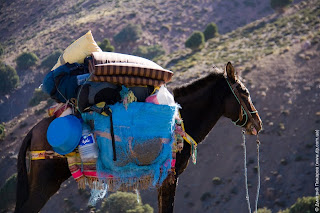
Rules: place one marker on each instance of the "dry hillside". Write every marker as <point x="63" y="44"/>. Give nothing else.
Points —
<point x="278" y="58"/>
<point x="45" y="26"/>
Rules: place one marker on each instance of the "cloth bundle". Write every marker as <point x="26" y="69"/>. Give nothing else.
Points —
<point x="144" y="132"/>
<point x="143" y="157"/>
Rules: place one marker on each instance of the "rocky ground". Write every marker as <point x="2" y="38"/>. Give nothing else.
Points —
<point x="284" y="85"/>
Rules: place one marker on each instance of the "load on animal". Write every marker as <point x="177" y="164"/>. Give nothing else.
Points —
<point x="117" y="127"/>
<point x="106" y="101"/>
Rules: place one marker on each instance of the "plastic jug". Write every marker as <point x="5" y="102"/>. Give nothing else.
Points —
<point x="88" y="148"/>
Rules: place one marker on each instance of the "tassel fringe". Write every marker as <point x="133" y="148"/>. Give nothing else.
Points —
<point x="115" y="184"/>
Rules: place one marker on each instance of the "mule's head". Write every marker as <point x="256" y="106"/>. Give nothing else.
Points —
<point x="238" y="105"/>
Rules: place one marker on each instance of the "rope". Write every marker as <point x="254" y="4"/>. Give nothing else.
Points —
<point x="138" y="195"/>
<point x="87" y="79"/>
<point x="258" y="165"/>
<point x="242" y="108"/>
<point x="246" y="172"/>
<point x="246" y="169"/>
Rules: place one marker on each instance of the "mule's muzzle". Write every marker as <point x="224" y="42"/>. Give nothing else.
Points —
<point x="252" y="129"/>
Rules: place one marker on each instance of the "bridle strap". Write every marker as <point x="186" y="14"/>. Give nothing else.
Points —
<point x="235" y="91"/>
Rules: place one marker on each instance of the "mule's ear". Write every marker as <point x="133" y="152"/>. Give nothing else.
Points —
<point x="231" y="72"/>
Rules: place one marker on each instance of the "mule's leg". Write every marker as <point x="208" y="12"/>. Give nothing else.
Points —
<point x="167" y="191"/>
<point x="166" y="195"/>
<point x="22" y="190"/>
<point x="45" y="179"/>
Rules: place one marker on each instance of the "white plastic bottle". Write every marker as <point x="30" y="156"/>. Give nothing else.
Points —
<point x="88" y="148"/>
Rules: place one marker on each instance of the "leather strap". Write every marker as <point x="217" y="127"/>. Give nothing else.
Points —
<point x="107" y="110"/>
<point x="242" y="104"/>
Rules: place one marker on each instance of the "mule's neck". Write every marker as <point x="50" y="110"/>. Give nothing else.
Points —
<point x="202" y="107"/>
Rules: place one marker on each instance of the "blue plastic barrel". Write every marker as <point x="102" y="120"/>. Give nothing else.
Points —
<point x="64" y="134"/>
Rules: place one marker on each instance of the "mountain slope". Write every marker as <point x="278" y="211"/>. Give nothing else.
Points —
<point x="44" y="26"/>
<point x="273" y="34"/>
<point x="279" y="62"/>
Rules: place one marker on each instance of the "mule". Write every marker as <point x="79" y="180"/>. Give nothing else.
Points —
<point x="202" y="102"/>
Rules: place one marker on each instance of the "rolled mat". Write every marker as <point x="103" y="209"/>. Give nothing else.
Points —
<point x="111" y="57"/>
<point x="108" y="64"/>
<point x="127" y="80"/>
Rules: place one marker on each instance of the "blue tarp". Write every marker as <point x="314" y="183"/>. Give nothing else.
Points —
<point x="136" y="129"/>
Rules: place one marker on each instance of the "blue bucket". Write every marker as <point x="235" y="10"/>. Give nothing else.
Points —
<point x="64" y="134"/>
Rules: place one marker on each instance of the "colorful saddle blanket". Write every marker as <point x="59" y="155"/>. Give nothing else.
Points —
<point x="144" y="134"/>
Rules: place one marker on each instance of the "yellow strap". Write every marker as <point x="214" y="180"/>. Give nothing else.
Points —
<point x="71" y="154"/>
<point x="38" y="155"/>
<point x="155" y="89"/>
<point x="190" y="141"/>
<point x="43" y="154"/>
<point x="187" y="138"/>
<point x="101" y="105"/>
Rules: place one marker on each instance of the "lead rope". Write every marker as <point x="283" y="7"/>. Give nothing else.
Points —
<point x="245" y="169"/>
<point x="258" y="170"/>
<point x="246" y="172"/>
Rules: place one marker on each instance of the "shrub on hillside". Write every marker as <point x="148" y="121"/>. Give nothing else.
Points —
<point x="149" y="52"/>
<point x="2" y="132"/>
<point x="51" y="60"/>
<point x="1" y="50"/>
<point x="26" y="60"/>
<point x="264" y="210"/>
<point x="216" y="180"/>
<point x="280" y="5"/>
<point x="195" y="41"/>
<point x="205" y="196"/>
<point x="130" y="33"/>
<point x="124" y="202"/>
<point x="8" y="193"/>
<point x="211" y="31"/>
<point x="106" y="46"/>
<point x="304" y="204"/>
<point x="8" y="78"/>
<point x="38" y="96"/>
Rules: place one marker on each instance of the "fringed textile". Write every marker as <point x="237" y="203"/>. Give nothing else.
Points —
<point x="144" y="134"/>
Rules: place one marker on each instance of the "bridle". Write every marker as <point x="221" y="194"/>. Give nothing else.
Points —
<point x="248" y="116"/>
<point x="244" y="111"/>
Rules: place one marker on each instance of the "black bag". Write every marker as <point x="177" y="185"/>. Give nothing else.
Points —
<point x="92" y="93"/>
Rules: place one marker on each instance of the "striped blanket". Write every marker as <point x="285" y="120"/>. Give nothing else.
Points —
<point x="127" y="70"/>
